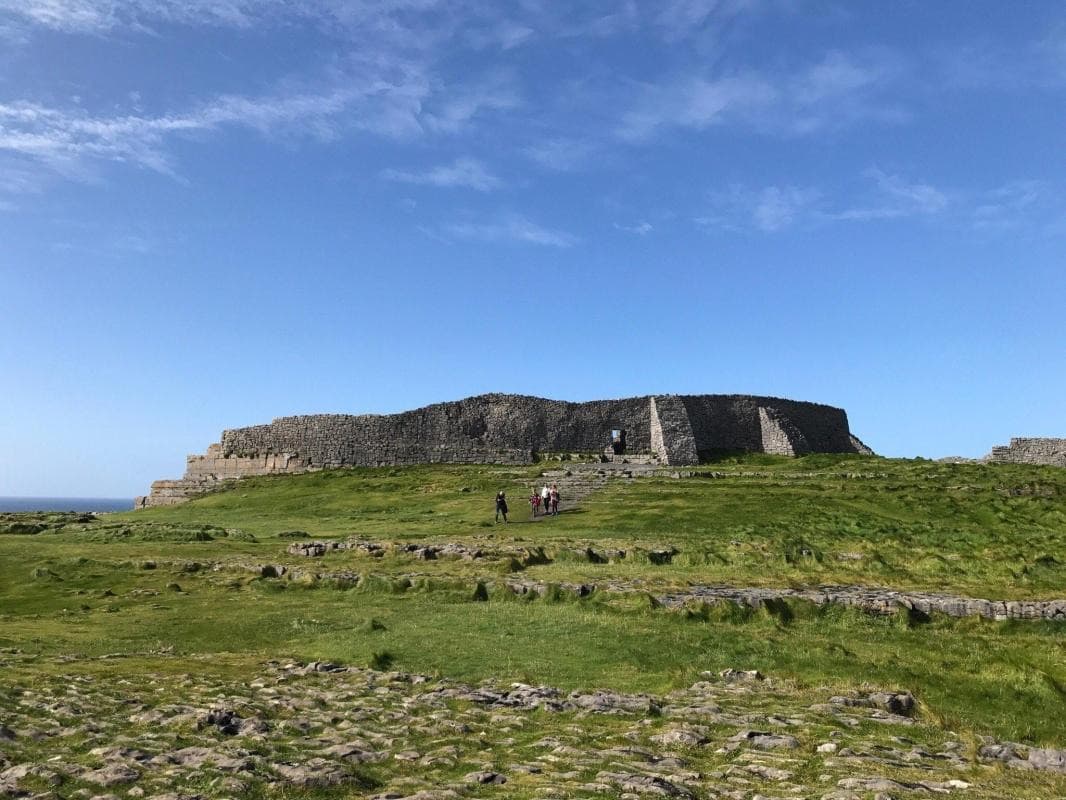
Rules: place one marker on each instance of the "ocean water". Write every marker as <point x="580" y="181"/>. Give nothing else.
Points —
<point x="66" y="504"/>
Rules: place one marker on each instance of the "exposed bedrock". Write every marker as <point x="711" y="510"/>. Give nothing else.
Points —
<point x="512" y="429"/>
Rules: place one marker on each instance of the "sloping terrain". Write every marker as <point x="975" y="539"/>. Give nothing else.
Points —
<point x="758" y="627"/>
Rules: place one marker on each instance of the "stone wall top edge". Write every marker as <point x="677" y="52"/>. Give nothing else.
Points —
<point x="504" y="397"/>
<point x="761" y="399"/>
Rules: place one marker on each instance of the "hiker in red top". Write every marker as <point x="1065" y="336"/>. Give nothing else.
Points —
<point x="534" y="504"/>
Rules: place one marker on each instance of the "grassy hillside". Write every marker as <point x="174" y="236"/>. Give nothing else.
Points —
<point x="997" y="531"/>
<point x="153" y="592"/>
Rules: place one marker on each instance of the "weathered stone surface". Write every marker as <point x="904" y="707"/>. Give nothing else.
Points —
<point x="1051" y="452"/>
<point x="764" y="740"/>
<point x="1020" y="756"/>
<point x="642" y="784"/>
<point x="872" y="599"/>
<point x="484" y="776"/>
<point x="111" y="775"/>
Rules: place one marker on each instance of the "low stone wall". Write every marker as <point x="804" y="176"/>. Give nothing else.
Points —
<point x="878" y="601"/>
<point x="1050" y="452"/>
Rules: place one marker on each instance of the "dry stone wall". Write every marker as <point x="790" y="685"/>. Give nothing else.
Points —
<point x="744" y="423"/>
<point x="512" y="429"/>
<point x="1051" y="452"/>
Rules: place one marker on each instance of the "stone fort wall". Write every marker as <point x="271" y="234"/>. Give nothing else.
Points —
<point x="511" y="429"/>
<point x="1050" y="452"/>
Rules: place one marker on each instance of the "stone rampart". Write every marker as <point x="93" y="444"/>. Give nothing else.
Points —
<point x="1051" y="452"/>
<point x="512" y="429"/>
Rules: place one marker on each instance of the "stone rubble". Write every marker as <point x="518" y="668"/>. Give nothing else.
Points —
<point x="324" y="727"/>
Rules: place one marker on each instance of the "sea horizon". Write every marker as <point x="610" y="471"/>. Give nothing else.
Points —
<point x="82" y="504"/>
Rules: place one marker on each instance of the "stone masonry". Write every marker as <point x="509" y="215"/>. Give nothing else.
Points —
<point x="1051" y="452"/>
<point x="513" y="429"/>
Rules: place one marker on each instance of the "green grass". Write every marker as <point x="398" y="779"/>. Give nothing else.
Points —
<point x="1001" y="677"/>
<point x="983" y="530"/>
<point x="995" y="531"/>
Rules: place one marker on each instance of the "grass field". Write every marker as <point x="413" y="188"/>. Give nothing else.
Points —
<point x="151" y="592"/>
<point x="996" y="531"/>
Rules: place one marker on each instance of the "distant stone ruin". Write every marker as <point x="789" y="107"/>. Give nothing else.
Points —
<point x="1050" y="452"/>
<point x="516" y="429"/>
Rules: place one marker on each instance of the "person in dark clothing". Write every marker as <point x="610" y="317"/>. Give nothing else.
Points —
<point x="501" y="506"/>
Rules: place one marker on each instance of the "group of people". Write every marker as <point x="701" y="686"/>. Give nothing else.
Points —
<point x="546" y="499"/>
<point x="545" y="502"/>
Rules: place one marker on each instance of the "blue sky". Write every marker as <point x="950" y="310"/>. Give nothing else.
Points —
<point x="216" y="212"/>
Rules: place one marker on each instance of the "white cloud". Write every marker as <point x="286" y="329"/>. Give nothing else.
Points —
<point x="389" y="85"/>
<point x="505" y="35"/>
<point x="620" y="17"/>
<point x="835" y="75"/>
<point x="780" y="207"/>
<point x="95" y="16"/>
<point x="777" y="208"/>
<point x="463" y="172"/>
<point x="642" y="228"/>
<point x="836" y="91"/>
<point x="82" y="16"/>
<point x="896" y="197"/>
<point x="695" y="103"/>
<point x="1013" y="206"/>
<point x="679" y="19"/>
<point x="449" y="112"/>
<point x="510" y="228"/>
<point x="560" y="153"/>
<point x="64" y="138"/>
<point x="917" y="197"/>
<point x="394" y="100"/>
<point x="987" y="65"/>
<point x="770" y="209"/>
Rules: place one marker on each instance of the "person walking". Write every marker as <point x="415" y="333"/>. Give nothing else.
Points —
<point x="545" y="498"/>
<point x="501" y="506"/>
<point x="555" y="500"/>
<point x="534" y="503"/>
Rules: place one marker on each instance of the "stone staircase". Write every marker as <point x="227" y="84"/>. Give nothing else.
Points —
<point x="577" y="481"/>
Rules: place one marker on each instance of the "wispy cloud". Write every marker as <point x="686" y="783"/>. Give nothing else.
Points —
<point x="678" y="19"/>
<point x="780" y="207"/>
<point x="510" y="228"/>
<point x="453" y="110"/>
<point x="64" y="138"/>
<point x="987" y="65"/>
<point x="837" y="90"/>
<point x="1013" y="206"/>
<point x="392" y="102"/>
<point x="561" y="153"/>
<point x="693" y="102"/>
<point x="772" y="209"/>
<point x="463" y="172"/>
<point x="641" y="228"/>
<point x="897" y="197"/>
<point x="505" y="34"/>
<point x="81" y="16"/>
